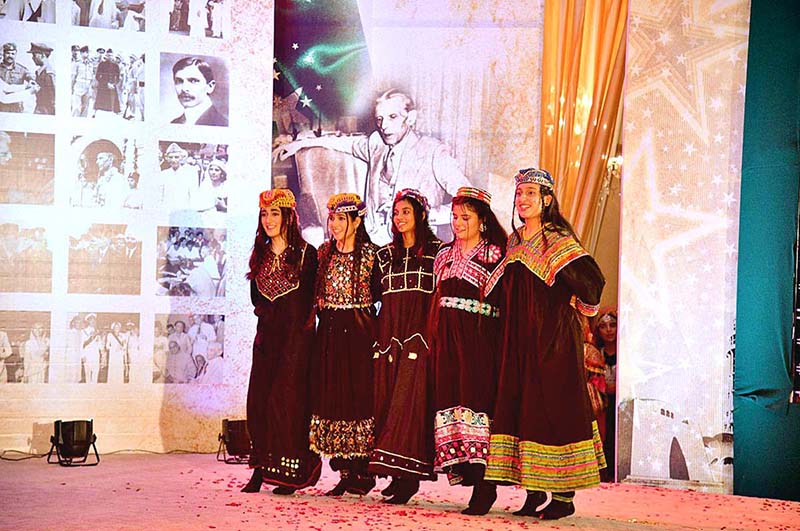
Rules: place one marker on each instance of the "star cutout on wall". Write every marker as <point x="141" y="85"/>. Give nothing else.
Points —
<point x="295" y="46"/>
<point x="305" y="100"/>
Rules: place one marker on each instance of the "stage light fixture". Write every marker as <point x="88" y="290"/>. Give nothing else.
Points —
<point x="72" y="441"/>
<point x="234" y="442"/>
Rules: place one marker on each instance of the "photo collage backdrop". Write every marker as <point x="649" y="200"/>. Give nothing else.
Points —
<point x="132" y="151"/>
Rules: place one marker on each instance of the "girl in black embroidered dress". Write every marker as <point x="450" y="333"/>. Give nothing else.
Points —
<point x="544" y="437"/>
<point x="464" y="345"/>
<point x="282" y="272"/>
<point x="403" y="414"/>
<point x="342" y="424"/>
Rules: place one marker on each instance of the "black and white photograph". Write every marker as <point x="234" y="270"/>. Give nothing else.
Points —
<point x="106" y="173"/>
<point x="28" y="11"/>
<point x="101" y="348"/>
<point x="27" y="168"/>
<point x="26" y="258"/>
<point x="107" y="83"/>
<point x="24" y="347"/>
<point x="191" y="262"/>
<point x="104" y="259"/>
<point x="391" y="156"/>
<point x="27" y="78"/>
<point x="194" y="90"/>
<point x="201" y="18"/>
<point x="124" y="15"/>
<point x="189" y="349"/>
<point x="193" y="176"/>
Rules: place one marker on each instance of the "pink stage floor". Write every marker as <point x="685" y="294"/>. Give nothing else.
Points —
<point x="188" y="492"/>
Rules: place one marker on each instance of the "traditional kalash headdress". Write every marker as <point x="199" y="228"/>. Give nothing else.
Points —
<point x="410" y="193"/>
<point x="341" y="203"/>
<point x="278" y="197"/>
<point x="535" y="176"/>
<point x="475" y="193"/>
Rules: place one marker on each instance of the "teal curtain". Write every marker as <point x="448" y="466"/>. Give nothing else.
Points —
<point x="766" y="427"/>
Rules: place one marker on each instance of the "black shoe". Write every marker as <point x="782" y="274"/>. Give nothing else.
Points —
<point x="392" y="488"/>
<point x="283" y="491"/>
<point x="535" y="499"/>
<point x="254" y="485"/>
<point x="556" y="509"/>
<point x="361" y="485"/>
<point x="340" y="487"/>
<point x="483" y="497"/>
<point x="405" y="490"/>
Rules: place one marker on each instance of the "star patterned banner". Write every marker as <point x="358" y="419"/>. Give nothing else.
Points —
<point x="684" y="111"/>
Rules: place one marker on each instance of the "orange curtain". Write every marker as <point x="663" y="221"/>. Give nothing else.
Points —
<point x="582" y="79"/>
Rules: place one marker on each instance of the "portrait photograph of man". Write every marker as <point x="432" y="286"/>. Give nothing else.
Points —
<point x="106" y="173"/>
<point x="194" y="90"/>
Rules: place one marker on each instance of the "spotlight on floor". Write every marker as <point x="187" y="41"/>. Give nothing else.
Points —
<point x="234" y="442"/>
<point x="72" y="440"/>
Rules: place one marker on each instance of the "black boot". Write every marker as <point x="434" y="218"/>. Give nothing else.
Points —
<point x="535" y="499"/>
<point x="405" y="490"/>
<point x="361" y="485"/>
<point x="483" y="497"/>
<point x="560" y="506"/>
<point x="392" y="488"/>
<point x="282" y="490"/>
<point x="341" y="487"/>
<point x="254" y="485"/>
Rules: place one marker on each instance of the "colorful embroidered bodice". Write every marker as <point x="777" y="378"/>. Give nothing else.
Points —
<point x="276" y="277"/>
<point x="338" y="290"/>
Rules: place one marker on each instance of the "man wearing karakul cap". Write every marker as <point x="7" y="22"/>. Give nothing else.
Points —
<point x="13" y="73"/>
<point x="45" y="79"/>
<point x="179" y="181"/>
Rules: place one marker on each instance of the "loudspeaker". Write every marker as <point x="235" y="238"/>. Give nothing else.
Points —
<point x="72" y="441"/>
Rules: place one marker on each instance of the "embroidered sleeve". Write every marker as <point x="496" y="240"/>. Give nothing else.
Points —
<point x="585" y="280"/>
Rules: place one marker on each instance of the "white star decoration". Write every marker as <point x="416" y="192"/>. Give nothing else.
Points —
<point x="305" y="100"/>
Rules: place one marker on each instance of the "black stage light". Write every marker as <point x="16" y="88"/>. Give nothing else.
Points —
<point x="234" y="442"/>
<point x="72" y="441"/>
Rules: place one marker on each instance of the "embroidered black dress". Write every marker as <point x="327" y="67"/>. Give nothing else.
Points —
<point x="342" y="424"/>
<point x="403" y="412"/>
<point x="544" y="435"/>
<point x="464" y="347"/>
<point x="278" y="407"/>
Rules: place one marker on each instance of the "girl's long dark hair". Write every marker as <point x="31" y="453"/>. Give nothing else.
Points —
<point x="362" y="238"/>
<point x="290" y="229"/>
<point x="494" y="233"/>
<point x="422" y="231"/>
<point x="551" y="217"/>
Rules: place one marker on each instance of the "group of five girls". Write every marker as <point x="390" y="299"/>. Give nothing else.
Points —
<point x="473" y="368"/>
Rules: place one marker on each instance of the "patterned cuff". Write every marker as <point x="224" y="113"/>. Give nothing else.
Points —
<point x="589" y="310"/>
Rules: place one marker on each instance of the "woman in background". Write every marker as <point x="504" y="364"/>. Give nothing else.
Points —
<point x="605" y="338"/>
<point x="464" y="339"/>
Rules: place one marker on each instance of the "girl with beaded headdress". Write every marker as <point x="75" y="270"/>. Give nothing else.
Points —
<point x="403" y="419"/>
<point x="282" y="272"/>
<point x="464" y="350"/>
<point x="342" y="423"/>
<point x="544" y="436"/>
